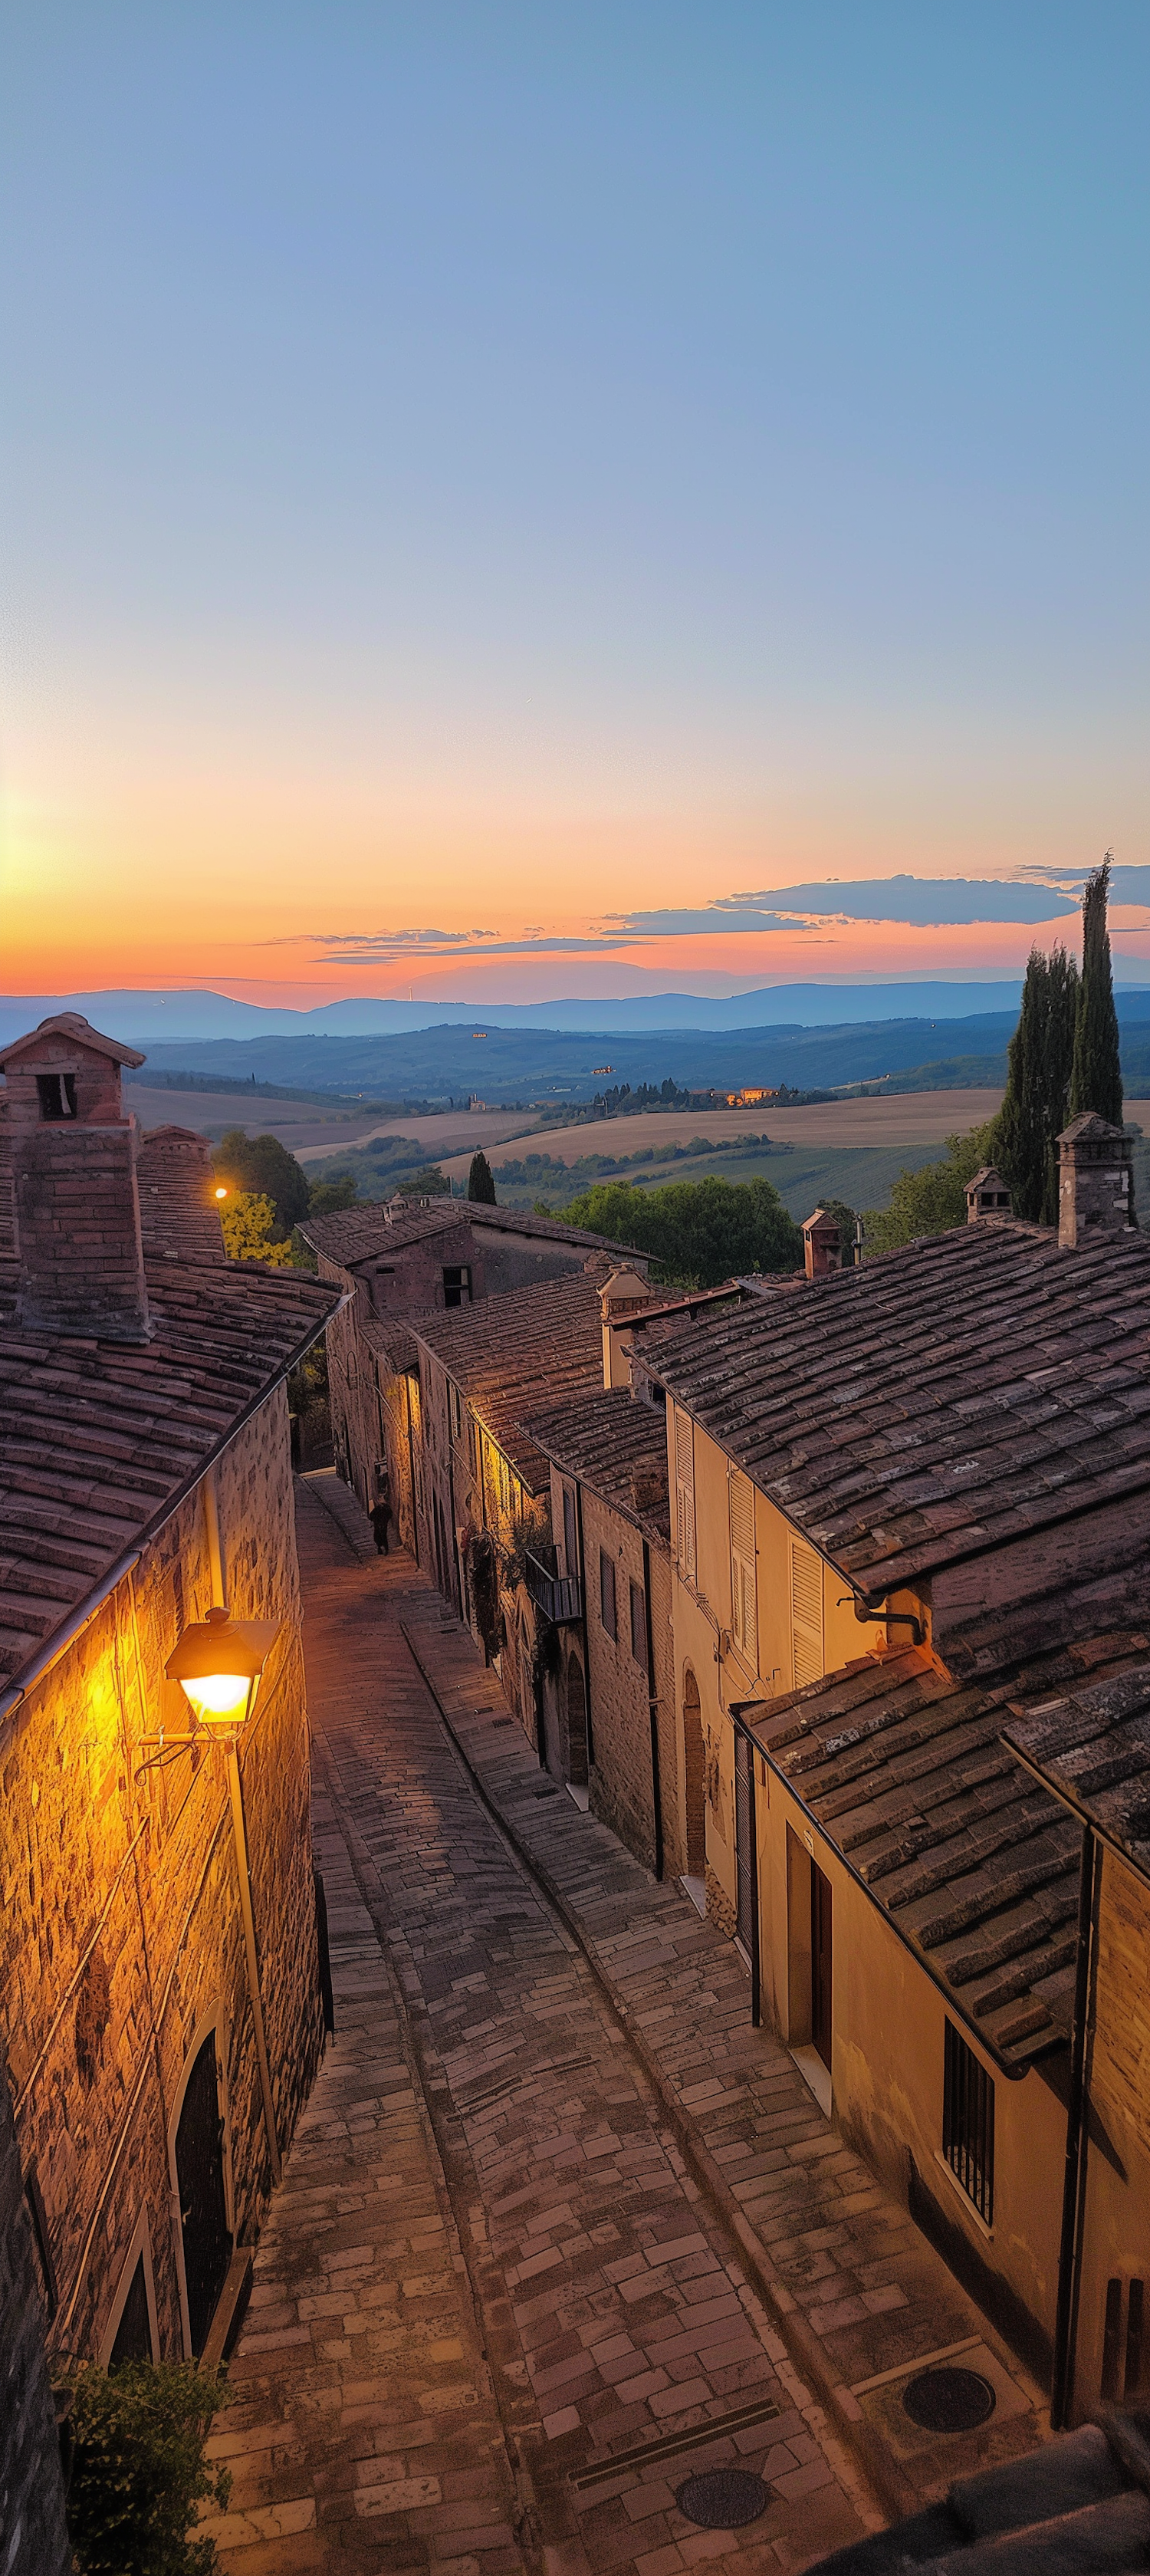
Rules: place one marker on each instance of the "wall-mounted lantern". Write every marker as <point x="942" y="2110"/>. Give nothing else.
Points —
<point x="218" y="1663"/>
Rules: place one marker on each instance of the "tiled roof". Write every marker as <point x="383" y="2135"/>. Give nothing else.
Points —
<point x="1093" y="1745"/>
<point x="506" y="1352"/>
<point x="901" y="1762"/>
<point x="616" y="1445"/>
<point x="1073" y="2507"/>
<point x="98" y="1441"/>
<point x="362" y="1233"/>
<point x="968" y="1389"/>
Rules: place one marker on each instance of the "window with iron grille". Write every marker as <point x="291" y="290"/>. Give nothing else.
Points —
<point x="968" y="2122"/>
<point x="639" y="1625"/>
<point x="607" y="1609"/>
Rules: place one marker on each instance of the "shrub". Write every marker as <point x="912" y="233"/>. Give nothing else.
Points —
<point x="247" y="1219"/>
<point x="138" y="2469"/>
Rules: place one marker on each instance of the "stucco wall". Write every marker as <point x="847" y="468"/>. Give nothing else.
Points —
<point x="120" y="1930"/>
<point x="1116" y="2234"/>
<point x="620" y="1779"/>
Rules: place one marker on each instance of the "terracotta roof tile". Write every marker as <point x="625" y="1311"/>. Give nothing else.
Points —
<point x="616" y="1445"/>
<point x="505" y="1352"/>
<point x="972" y="1387"/>
<point x="99" y="1440"/>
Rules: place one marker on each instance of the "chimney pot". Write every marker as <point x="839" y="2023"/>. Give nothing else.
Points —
<point x="1095" y="1181"/>
<point x="822" y="1246"/>
<point x="987" y="1197"/>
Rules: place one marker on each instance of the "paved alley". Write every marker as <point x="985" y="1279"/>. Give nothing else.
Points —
<point x="557" y="2229"/>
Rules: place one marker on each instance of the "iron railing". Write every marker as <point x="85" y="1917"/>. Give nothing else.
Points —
<point x="558" y="1596"/>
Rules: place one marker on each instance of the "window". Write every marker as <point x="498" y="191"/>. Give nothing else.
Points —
<point x="504" y="1481"/>
<point x="806" y="1613"/>
<point x="570" y="1543"/>
<point x="744" y="1619"/>
<point x="454" y="1411"/>
<point x="968" y="2122"/>
<point x="56" y="1093"/>
<point x="639" y="1625"/>
<point x="457" y="1286"/>
<point x="685" y="1492"/>
<point x="608" y="1612"/>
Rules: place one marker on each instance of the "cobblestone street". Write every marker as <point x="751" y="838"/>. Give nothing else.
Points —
<point x="557" y="2228"/>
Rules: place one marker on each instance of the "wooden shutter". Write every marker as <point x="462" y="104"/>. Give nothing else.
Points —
<point x="685" y="1492"/>
<point x="607" y="1611"/>
<point x="744" y="1621"/>
<point x="806" y="1613"/>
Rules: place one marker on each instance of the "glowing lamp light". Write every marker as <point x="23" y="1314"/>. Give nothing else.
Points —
<point x="221" y="1193"/>
<point x="218" y="1663"/>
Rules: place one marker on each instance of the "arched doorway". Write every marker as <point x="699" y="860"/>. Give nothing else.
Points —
<point x="694" y="1795"/>
<point x="207" y="2243"/>
<point x="576" y="1724"/>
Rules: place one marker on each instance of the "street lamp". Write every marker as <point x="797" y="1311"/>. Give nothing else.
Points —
<point x="218" y="1663"/>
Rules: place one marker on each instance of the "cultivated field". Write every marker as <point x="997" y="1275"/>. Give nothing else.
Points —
<point x="910" y="1118"/>
<point x="313" y="1132"/>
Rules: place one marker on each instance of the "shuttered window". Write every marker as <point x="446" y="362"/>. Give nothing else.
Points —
<point x="607" y="1610"/>
<point x="685" y="1492"/>
<point x="744" y="1623"/>
<point x="639" y="1625"/>
<point x="806" y="1613"/>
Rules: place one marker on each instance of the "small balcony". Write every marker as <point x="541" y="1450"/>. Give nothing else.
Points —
<point x="558" y="1596"/>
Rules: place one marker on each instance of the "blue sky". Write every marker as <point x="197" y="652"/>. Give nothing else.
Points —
<point x="541" y="466"/>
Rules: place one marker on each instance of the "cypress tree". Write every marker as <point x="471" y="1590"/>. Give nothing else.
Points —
<point x="480" y="1183"/>
<point x="1034" y="1107"/>
<point x="1096" y="1081"/>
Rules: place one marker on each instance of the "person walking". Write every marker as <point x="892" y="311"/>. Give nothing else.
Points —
<point x="381" y="1517"/>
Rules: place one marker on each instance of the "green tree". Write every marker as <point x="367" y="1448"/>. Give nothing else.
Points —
<point x="1096" y="1079"/>
<point x="248" y="1220"/>
<point x="480" y="1181"/>
<point x="1035" y="1104"/>
<point x="264" y="1167"/>
<point x="697" y="1233"/>
<point x="138" y="2472"/>
<point x="430" y="1182"/>
<point x="325" y="1197"/>
<point x="931" y="1200"/>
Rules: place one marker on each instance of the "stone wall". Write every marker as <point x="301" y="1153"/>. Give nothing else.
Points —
<point x="35" y="2542"/>
<point x="620" y="1779"/>
<point x="120" y="1931"/>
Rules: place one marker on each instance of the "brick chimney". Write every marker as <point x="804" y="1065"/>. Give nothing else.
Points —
<point x="822" y="1247"/>
<point x="76" y="1211"/>
<point x="1095" y="1193"/>
<point x="987" y="1196"/>
<point x="179" y="1210"/>
<point x="622" y="1295"/>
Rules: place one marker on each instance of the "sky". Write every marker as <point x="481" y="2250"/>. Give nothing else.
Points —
<point x="527" y="500"/>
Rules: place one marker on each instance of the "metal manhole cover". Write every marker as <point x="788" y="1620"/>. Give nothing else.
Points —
<point x="723" y="2499"/>
<point x="948" y="2401"/>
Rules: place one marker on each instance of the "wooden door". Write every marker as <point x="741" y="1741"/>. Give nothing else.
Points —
<point x="203" y="2208"/>
<point x="821" y="1963"/>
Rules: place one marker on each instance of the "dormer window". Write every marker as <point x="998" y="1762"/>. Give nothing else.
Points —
<point x="56" y="1093"/>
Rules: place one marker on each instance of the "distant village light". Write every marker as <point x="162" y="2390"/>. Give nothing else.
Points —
<point x="218" y="1663"/>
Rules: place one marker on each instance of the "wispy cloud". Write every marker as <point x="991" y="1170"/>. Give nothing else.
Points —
<point x="1030" y="897"/>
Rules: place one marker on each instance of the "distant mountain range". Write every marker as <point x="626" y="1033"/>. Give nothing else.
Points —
<point x="153" y="1018"/>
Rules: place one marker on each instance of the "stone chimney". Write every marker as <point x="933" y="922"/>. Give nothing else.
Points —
<point x="987" y="1196"/>
<point x="822" y="1248"/>
<point x="622" y="1295"/>
<point x="179" y="1210"/>
<point x="76" y="1210"/>
<point x="1095" y="1194"/>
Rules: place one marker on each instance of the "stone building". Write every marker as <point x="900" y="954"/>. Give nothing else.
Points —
<point x="911" y="1517"/>
<point x="483" y="1483"/>
<point x="402" y="1258"/>
<point x="159" y="1994"/>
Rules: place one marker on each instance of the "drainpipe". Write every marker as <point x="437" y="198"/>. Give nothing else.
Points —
<point x="656" y="1778"/>
<point x="583" y="1623"/>
<point x="1077" y="2117"/>
<point x="738" y="1721"/>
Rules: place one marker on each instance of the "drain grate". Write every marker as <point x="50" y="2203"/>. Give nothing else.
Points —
<point x="948" y="2401"/>
<point x="714" y="2428"/>
<point x="723" y="2499"/>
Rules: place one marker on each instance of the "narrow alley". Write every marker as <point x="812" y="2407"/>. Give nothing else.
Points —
<point x="557" y="2232"/>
